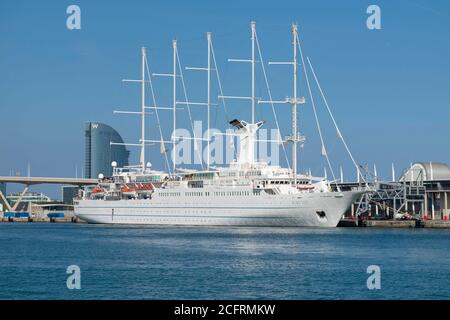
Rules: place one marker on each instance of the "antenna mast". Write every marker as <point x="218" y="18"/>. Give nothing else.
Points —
<point x="142" y="157"/>
<point x="142" y="113"/>
<point x="208" y="150"/>
<point x="208" y="103"/>
<point x="295" y="139"/>
<point x="253" y="26"/>
<point x="174" y="45"/>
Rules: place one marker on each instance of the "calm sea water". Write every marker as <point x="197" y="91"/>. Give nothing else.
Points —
<point x="120" y="262"/>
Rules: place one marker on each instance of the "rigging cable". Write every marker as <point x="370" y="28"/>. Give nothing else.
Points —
<point x="323" y="151"/>
<point x="221" y="94"/>
<point x="157" y="117"/>
<point x="271" y="100"/>
<point x="334" y="121"/>
<point x="189" y="111"/>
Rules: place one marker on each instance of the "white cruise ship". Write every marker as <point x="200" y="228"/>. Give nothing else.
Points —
<point x="247" y="192"/>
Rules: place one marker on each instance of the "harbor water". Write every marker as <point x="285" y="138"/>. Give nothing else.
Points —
<point x="131" y="262"/>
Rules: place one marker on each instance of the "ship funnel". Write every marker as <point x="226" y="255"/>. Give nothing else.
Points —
<point x="247" y="140"/>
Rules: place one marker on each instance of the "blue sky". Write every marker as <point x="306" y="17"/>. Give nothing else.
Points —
<point x="389" y="88"/>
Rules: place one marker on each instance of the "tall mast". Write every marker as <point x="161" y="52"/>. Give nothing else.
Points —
<point x="174" y="45"/>
<point x="208" y="37"/>
<point x="142" y="157"/>
<point x="295" y="137"/>
<point x="253" y="26"/>
<point x="294" y="109"/>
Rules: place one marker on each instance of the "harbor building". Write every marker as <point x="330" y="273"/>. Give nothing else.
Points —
<point x="24" y="201"/>
<point x="99" y="153"/>
<point x="37" y="205"/>
<point x="422" y="192"/>
<point x="435" y="177"/>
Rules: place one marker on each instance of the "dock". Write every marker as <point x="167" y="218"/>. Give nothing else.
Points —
<point x="389" y="223"/>
<point x="42" y="220"/>
<point x="405" y="224"/>
<point x="436" y="224"/>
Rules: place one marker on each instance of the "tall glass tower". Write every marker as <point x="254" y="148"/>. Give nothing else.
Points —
<point x="99" y="153"/>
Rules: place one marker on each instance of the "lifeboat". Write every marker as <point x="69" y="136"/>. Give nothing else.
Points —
<point x="305" y="187"/>
<point x="131" y="189"/>
<point x="98" y="192"/>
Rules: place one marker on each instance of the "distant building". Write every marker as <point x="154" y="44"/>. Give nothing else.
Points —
<point x="68" y="193"/>
<point x="427" y="171"/>
<point x="27" y="199"/>
<point x="436" y="180"/>
<point x="422" y="191"/>
<point x="99" y="153"/>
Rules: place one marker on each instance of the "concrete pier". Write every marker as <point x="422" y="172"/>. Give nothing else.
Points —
<point x="440" y="224"/>
<point x="388" y="223"/>
<point x="436" y="223"/>
<point x="42" y="220"/>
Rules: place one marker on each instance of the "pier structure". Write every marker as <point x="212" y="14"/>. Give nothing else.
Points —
<point x="422" y="192"/>
<point x="28" y="181"/>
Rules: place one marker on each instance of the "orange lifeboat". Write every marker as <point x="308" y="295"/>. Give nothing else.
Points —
<point x="137" y="188"/>
<point x="98" y="192"/>
<point x="97" y="189"/>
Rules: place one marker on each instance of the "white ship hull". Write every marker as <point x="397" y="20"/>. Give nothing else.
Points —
<point x="301" y="210"/>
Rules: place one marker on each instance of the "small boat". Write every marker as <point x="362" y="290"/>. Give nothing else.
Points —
<point x="133" y="189"/>
<point x="98" y="192"/>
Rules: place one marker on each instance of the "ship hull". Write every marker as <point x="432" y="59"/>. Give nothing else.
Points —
<point x="304" y="210"/>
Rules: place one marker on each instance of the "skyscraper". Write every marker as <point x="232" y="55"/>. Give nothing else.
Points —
<point x="99" y="153"/>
